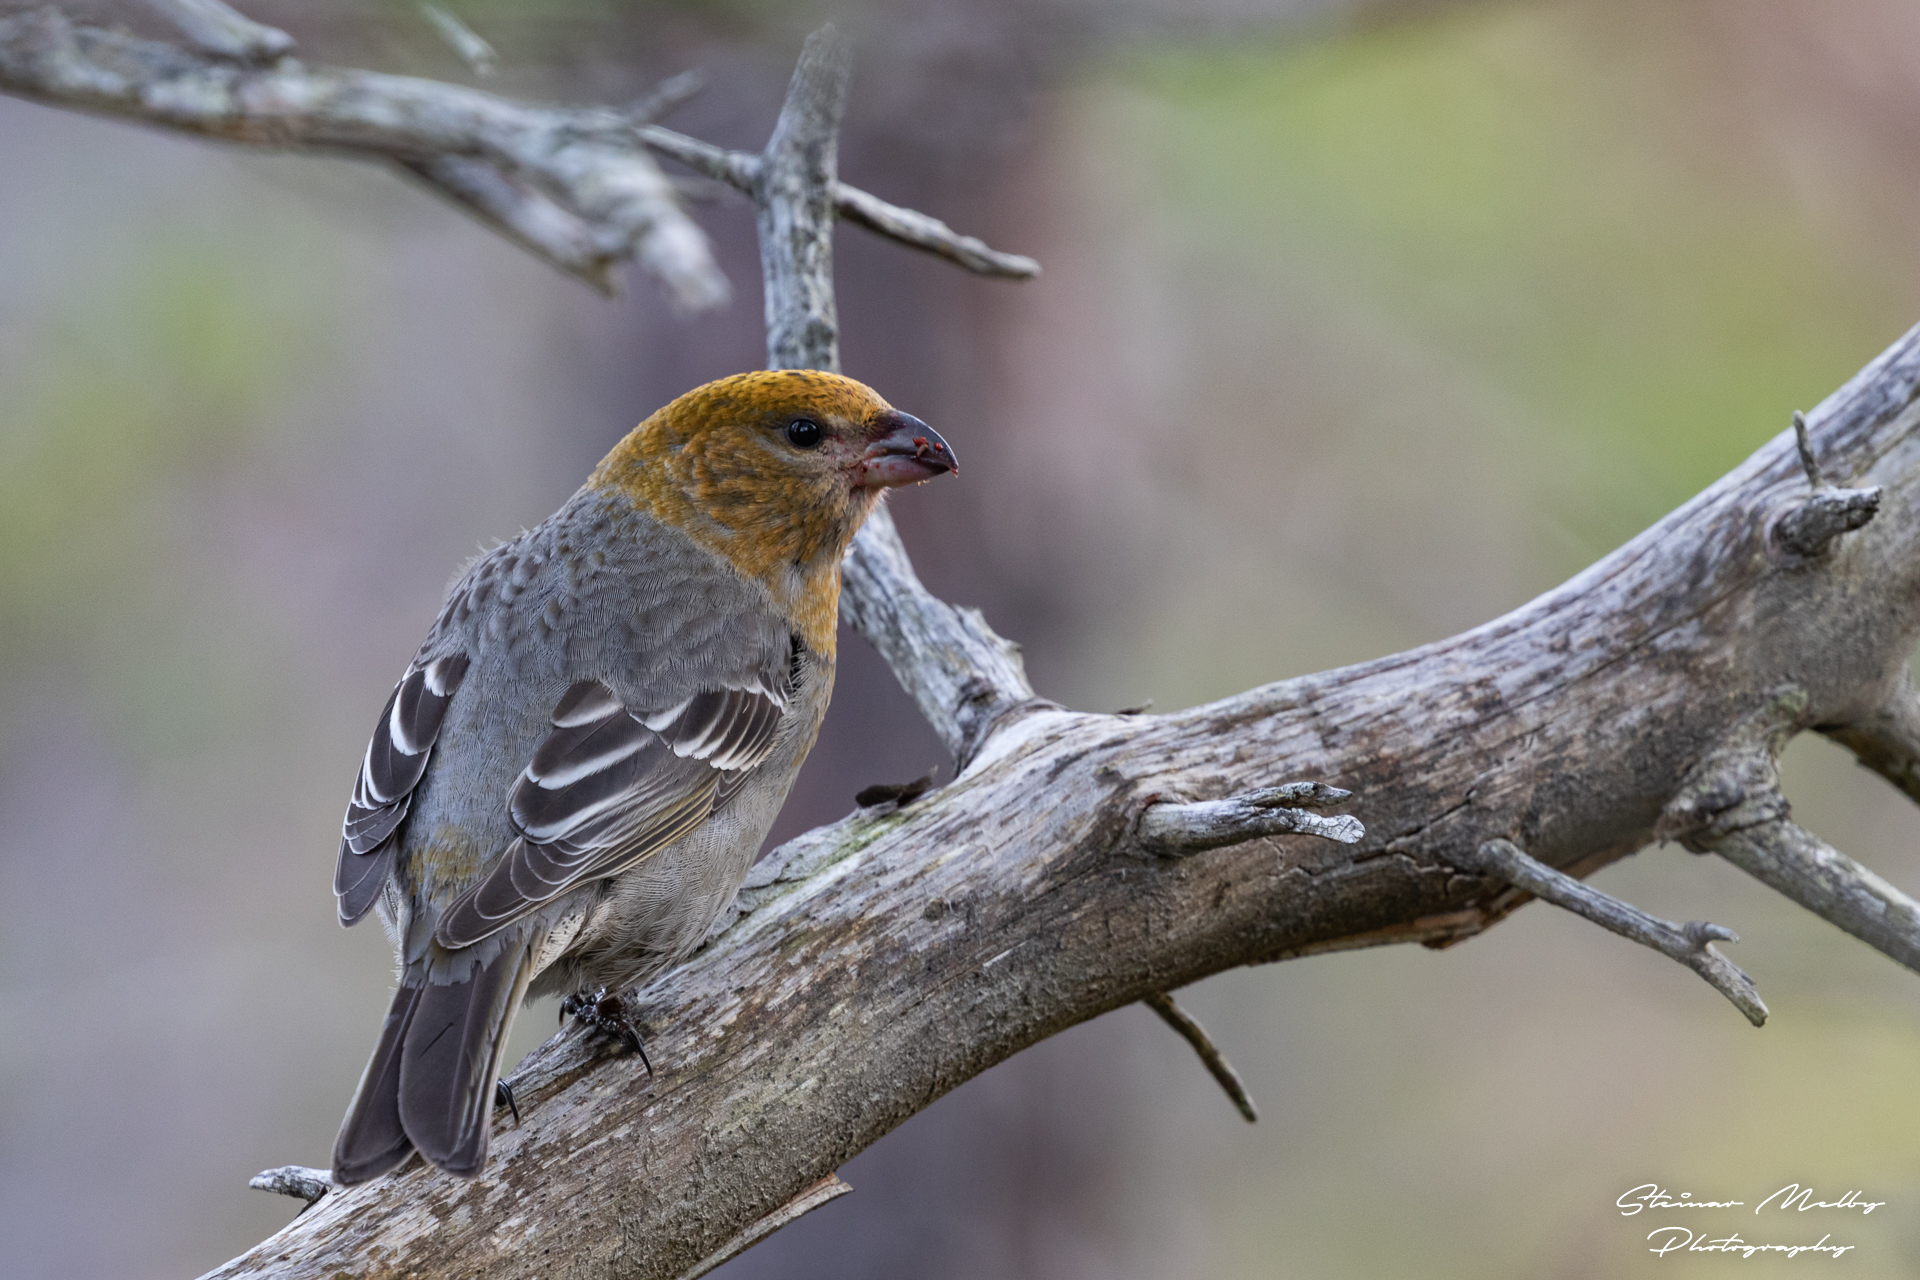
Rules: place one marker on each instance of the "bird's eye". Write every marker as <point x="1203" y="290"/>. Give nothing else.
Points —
<point x="803" y="433"/>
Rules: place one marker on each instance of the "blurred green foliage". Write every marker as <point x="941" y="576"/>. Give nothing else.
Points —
<point x="145" y="380"/>
<point x="1521" y="184"/>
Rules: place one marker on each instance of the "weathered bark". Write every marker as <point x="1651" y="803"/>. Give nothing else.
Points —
<point x="1081" y="862"/>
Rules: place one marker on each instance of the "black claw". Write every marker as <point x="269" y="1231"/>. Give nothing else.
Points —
<point x="607" y="1014"/>
<point x="503" y="1096"/>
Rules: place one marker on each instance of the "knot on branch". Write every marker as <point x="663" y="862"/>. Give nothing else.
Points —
<point x="1811" y="528"/>
<point x="1736" y="785"/>
<point x="295" y="1180"/>
<point x="1172" y="829"/>
<point x="1731" y="804"/>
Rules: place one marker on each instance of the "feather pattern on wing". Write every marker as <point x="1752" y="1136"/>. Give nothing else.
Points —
<point x="607" y="787"/>
<point x="396" y="760"/>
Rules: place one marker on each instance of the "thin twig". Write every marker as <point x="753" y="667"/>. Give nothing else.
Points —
<point x="666" y="97"/>
<point x="1691" y="944"/>
<point x="963" y="676"/>
<point x="1808" y="462"/>
<point x="217" y="29"/>
<point x="462" y="39"/>
<point x="1216" y="1062"/>
<point x="741" y="170"/>
<point x="1811" y="527"/>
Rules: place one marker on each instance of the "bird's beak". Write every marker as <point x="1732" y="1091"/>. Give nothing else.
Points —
<point x="905" y="450"/>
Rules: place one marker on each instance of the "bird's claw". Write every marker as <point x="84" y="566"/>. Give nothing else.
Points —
<point x="503" y="1097"/>
<point x="607" y="1012"/>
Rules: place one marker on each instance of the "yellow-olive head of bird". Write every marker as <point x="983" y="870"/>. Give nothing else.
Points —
<point x="774" y="469"/>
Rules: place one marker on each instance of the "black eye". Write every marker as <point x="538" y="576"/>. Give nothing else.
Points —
<point x="803" y="433"/>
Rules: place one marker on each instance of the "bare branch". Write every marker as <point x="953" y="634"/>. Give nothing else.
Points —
<point x="1216" y="1062"/>
<point x="1179" y="830"/>
<point x="794" y="195"/>
<point x="586" y="160"/>
<point x="1691" y="944"/>
<point x="1826" y="882"/>
<point x="738" y="169"/>
<point x="936" y="237"/>
<point x="523" y="214"/>
<point x="295" y="1180"/>
<point x="1803" y="444"/>
<point x="918" y="230"/>
<point x="667" y="97"/>
<point x="1888" y="741"/>
<point x="217" y="29"/>
<point x="1811" y="527"/>
<point x="1731" y="805"/>
<point x="462" y="39"/>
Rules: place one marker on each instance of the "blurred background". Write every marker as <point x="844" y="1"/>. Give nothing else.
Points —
<point x="1360" y="324"/>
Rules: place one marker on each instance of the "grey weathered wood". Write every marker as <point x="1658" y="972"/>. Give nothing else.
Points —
<point x="1180" y="830"/>
<point x="586" y="159"/>
<point x="467" y="43"/>
<point x="295" y="1180"/>
<point x="909" y="226"/>
<point x="1691" y="943"/>
<point x="793" y="196"/>
<point x="216" y="28"/>
<point x="962" y="675"/>
<point x="1731" y="804"/>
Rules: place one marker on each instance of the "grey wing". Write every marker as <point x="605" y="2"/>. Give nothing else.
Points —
<point x="395" y="762"/>
<point x="610" y="786"/>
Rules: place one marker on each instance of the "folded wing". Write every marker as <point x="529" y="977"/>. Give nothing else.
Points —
<point x="395" y="762"/>
<point x="608" y="787"/>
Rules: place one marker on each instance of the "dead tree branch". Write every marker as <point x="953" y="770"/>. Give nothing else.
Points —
<point x="1691" y="944"/>
<point x="874" y="964"/>
<point x="575" y="186"/>
<point x="1210" y="1056"/>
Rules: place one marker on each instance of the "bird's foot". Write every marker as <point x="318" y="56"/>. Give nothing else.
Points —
<point x="503" y="1097"/>
<point x="609" y="1013"/>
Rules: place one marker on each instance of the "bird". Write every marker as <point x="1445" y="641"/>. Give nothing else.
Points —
<point x="574" y="774"/>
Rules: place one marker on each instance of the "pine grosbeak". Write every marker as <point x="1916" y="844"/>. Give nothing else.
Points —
<point x="575" y="773"/>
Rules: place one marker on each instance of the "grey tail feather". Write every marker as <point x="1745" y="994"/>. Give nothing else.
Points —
<point x="450" y="1059"/>
<point x="372" y="1139"/>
